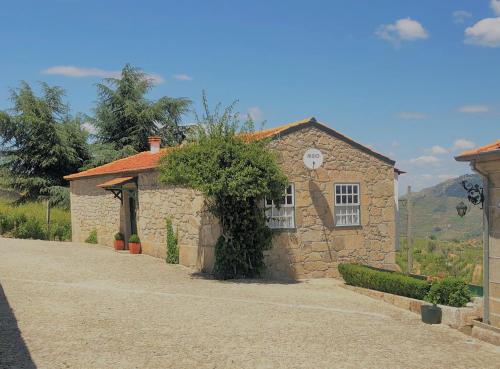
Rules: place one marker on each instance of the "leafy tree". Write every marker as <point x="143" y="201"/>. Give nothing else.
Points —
<point x="39" y="141"/>
<point x="124" y="118"/>
<point x="235" y="176"/>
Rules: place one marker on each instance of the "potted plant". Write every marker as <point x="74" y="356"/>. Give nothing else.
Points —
<point x="431" y="314"/>
<point x="134" y="244"/>
<point x="119" y="243"/>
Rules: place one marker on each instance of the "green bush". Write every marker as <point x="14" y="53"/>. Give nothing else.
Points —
<point x="450" y="291"/>
<point x="385" y="281"/>
<point x="31" y="228"/>
<point x="119" y="236"/>
<point x="92" y="238"/>
<point x="172" y="247"/>
<point x="61" y="232"/>
<point x="28" y="220"/>
<point x="134" y="239"/>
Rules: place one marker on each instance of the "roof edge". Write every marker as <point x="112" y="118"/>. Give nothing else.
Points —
<point x="480" y="155"/>
<point x="312" y="122"/>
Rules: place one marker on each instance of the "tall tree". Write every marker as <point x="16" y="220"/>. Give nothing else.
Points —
<point x="125" y="118"/>
<point x="39" y="141"/>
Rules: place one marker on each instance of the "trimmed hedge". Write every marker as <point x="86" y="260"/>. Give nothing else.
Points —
<point x="450" y="291"/>
<point x="384" y="281"/>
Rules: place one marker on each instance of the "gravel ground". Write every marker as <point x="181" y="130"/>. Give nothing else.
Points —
<point x="68" y="305"/>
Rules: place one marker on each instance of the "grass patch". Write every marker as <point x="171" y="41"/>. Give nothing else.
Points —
<point x="29" y="221"/>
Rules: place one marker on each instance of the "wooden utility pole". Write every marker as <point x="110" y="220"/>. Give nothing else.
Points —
<point x="48" y="218"/>
<point x="408" y="231"/>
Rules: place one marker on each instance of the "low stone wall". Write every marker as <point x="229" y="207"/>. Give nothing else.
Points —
<point x="486" y="332"/>
<point x="458" y="318"/>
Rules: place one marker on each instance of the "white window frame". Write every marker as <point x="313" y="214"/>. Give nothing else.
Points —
<point x="347" y="210"/>
<point x="284" y="217"/>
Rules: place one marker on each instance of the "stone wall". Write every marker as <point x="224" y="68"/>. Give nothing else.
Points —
<point x="190" y="219"/>
<point x="492" y="168"/>
<point x="313" y="249"/>
<point x="316" y="246"/>
<point x="94" y="208"/>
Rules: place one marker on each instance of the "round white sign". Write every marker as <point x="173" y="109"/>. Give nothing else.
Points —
<point x="313" y="159"/>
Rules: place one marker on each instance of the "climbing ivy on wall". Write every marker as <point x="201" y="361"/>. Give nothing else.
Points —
<point x="172" y="247"/>
<point x="235" y="175"/>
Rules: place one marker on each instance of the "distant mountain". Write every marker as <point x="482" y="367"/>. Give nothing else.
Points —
<point x="434" y="211"/>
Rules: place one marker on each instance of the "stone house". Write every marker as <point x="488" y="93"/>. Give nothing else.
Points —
<point x="485" y="160"/>
<point x="343" y="210"/>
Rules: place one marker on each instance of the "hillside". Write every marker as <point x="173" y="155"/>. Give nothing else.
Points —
<point x="434" y="211"/>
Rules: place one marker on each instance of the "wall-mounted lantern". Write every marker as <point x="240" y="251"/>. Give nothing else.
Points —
<point x="475" y="196"/>
<point x="461" y="209"/>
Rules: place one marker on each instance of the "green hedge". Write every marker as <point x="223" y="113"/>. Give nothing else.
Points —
<point x="385" y="281"/>
<point x="450" y="291"/>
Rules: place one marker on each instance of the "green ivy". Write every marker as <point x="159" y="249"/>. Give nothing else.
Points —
<point x="92" y="238"/>
<point x="235" y="176"/>
<point x="172" y="247"/>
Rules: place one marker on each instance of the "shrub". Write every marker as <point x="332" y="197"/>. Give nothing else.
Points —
<point x="30" y="228"/>
<point x="385" y="281"/>
<point x="92" y="238"/>
<point x="172" y="247"/>
<point x="61" y="232"/>
<point x="119" y="236"/>
<point x="450" y="291"/>
<point x="134" y="239"/>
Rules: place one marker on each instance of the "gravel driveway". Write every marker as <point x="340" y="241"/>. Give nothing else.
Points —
<point x="67" y="305"/>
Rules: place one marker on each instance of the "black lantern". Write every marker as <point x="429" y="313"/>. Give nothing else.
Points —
<point x="461" y="209"/>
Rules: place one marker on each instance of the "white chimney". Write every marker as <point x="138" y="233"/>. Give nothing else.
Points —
<point x="154" y="144"/>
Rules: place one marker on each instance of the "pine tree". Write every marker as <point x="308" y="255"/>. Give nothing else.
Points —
<point x="124" y="118"/>
<point x="39" y="141"/>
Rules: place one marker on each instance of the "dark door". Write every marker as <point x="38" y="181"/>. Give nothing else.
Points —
<point x="133" y="222"/>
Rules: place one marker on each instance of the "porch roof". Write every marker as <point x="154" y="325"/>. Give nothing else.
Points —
<point x="115" y="182"/>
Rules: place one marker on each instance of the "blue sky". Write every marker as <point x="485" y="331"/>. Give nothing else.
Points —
<point x="416" y="80"/>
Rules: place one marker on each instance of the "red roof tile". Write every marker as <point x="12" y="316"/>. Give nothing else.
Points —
<point x="142" y="161"/>
<point x="495" y="146"/>
<point x="147" y="160"/>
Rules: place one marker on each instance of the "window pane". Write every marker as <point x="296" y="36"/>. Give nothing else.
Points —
<point x="355" y="189"/>
<point x="344" y="190"/>
<point x="355" y="199"/>
<point x="349" y="189"/>
<point x="338" y="199"/>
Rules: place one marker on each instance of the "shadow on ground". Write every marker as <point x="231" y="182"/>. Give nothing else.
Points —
<point x="199" y="275"/>
<point x="13" y="351"/>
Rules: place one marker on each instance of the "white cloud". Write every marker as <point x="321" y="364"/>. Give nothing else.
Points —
<point x="437" y="150"/>
<point x="408" y="115"/>
<point x="486" y="32"/>
<point x="78" y="72"/>
<point x="89" y="127"/>
<point x="463" y="144"/>
<point x="182" y="77"/>
<point x="459" y="16"/>
<point x="426" y="159"/>
<point x="473" y="109"/>
<point x="255" y="113"/>
<point x="495" y="5"/>
<point x="405" y="29"/>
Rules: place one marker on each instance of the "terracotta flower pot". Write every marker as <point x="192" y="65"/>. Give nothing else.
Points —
<point x="134" y="247"/>
<point x="119" y="244"/>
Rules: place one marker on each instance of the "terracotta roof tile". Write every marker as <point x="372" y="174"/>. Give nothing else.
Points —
<point x="147" y="160"/>
<point x="495" y="146"/>
<point x="142" y="161"/>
